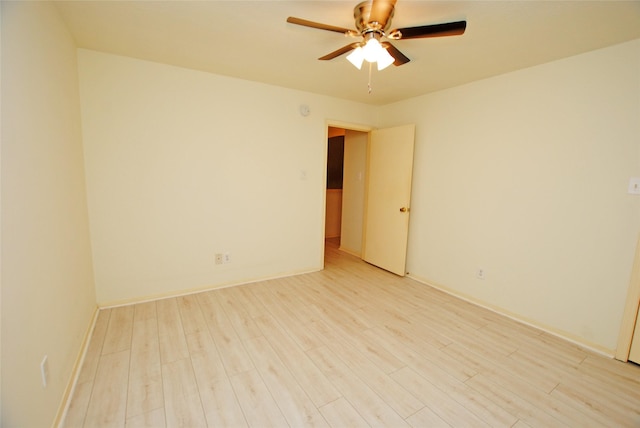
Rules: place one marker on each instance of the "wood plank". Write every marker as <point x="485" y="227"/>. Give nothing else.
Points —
<point x="78" y="405"/>
<point x="512" y="403"/>
<point x="340" y="413"/>
<point x="256" y="401"/>
<point x="229" y="345"/>
<point x="239" y="318"/>
<point x="415" y="352"/>
<point x="287" y="292"/>
<point x="334" y="337"/>
<point x="119" y="330"/>
<point x="313" y="381"/>
<point x="426" y="417"/>
<point x="292" y="400"/>
<point x="152" y="419"/>
<point x="296" y="329"/>
<point x="360" y="365"/>
<point x="516" y="379"/>
<point x="371" y="407"/>
<point x="182" y="403"/>
<point x="590" y="398"/>
<point x="607" y="372"/>
<point x="108" y="402"/>
<point x="463" y="333"/>
<point x="145" y="392"/>
<point x="190" y="314"/>
<point x="173" y="345"/>
<point x="218" y="399"/>
<point x="405" y="327"/>
<point x="94" y="350"/>
<point x="452" y="412"/>
<point x="221" y="406"/>
<point x="249" y="301"/>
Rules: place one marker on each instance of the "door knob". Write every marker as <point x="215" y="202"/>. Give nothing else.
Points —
<point x="404" y="209"/>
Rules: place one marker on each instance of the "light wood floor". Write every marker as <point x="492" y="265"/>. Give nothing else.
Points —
<point x="349" y="346"/>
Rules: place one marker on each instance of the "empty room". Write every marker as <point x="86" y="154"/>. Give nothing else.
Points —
<point x="318" y="213"/>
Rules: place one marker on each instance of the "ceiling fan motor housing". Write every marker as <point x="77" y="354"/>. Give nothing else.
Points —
<point x="373" y="20"/>
<point x="373" y="16"/>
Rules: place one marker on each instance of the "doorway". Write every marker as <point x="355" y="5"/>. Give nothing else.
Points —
<point x="374" y="211"/>
<point x="345" y="187"/>
<point x="335" y="171"/>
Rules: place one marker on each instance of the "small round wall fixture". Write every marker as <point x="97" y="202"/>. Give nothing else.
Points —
<point x="304" y="110"/>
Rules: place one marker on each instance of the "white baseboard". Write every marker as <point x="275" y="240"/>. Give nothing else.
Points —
<point x="75" y="372"/>
<point x="609" y="353"/>
<point x="179" y="293"/>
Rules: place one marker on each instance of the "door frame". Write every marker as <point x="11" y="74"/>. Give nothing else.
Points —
<point x="334" y="124"/>
<point x="631" y="308"/>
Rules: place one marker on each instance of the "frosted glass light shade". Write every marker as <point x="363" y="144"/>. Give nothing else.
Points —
<point x="372" y="51"/>
<point x="385" y="59"/>
<point x="356" y="57"/>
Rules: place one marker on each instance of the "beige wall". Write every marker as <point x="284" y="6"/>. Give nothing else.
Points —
<point x="355" y="159"/>
<point x="0" y="217"/>
<point x="525" y="175"/>
<point x="48" y="296"/>
<point x="333" y="213"/>
<point x="182" y="165"/>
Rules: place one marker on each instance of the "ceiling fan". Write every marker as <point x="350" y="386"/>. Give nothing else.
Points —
<point x="373" y="20"/>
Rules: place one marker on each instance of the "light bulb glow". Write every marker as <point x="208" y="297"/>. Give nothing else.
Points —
<point x="356" y="57"/>
<point x="385" y="59"/>
<point x="372" y="50"/>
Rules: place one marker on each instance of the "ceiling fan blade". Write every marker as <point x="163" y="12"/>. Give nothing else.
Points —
<point x="340" y="51"/>
<point x="399" y="57"/>
<point x="381" y="11"/>
<point x="305" y="23"/>
<point x="437" y="30"/>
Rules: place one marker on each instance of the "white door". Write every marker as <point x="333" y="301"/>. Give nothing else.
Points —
<point x="634" y="353"/>
<point x="389" y="172"/>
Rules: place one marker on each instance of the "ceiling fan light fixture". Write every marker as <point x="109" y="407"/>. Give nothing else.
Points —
<point x="385" y="59"/>
<point x="356" y="57"/>
<point x="373" y="20"/>
<point x="372" y="50"/>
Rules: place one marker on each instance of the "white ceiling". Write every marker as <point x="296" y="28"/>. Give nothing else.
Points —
<point x="251" y="39"/>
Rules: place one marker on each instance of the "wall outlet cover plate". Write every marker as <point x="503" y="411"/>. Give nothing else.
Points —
<point x="634" y="185"/>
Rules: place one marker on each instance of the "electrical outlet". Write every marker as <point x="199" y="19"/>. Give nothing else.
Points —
<point x="226" y="258"/>
<point x="44" y="371"/>
<point x="634" y="186"/>
<point x="480" y="273"/>
<point x="219" y="258"/>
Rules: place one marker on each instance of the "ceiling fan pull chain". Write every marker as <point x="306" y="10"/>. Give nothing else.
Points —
<point x="369" y="84"/>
